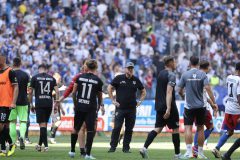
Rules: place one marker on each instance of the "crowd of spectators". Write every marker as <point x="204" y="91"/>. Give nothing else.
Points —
<point x="62" y="33"/>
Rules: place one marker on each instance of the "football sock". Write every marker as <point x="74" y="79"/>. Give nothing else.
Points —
<point x="90" y="136"/>
<point x="223" y="139"/>
<point x="23" y="128"/>
<point x="176" y="142"/>
<point x="53" y="131"/>
<point x="2" y="141"/>
<point x="82" y="151"/>
<point x="13" y="132"/>
<point x="74" y="138"/>
<point x="150" y="138"/>
<point x="200" y="150"/>
<point x="26" y="133"/>
<point x="44" y="136"/>
<point x="8" y="138"/>
<point x="41" y="136"/>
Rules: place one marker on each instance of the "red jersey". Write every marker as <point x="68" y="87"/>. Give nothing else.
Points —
<point x="70" y="87"/>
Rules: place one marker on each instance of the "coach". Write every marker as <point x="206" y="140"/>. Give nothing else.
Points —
<point x="126" y="86"/>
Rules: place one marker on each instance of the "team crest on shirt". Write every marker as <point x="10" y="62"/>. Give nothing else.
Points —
<point x="122" y="82"/>
<point x="134" y="82"/>
<point x="194" y="76"/>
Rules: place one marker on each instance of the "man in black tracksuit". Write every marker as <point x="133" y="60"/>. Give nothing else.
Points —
<point x="126" y="86"/>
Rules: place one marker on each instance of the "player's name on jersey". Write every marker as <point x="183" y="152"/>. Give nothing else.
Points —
<point x="88" y="80"/>
<point x="44" y="97"/>
<point x="43" y="78"/>
<point x="83" y="101"/>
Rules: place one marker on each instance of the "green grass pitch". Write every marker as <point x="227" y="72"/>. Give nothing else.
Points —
<point x="161" y="149"/>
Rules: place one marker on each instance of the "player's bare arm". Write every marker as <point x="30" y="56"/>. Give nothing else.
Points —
<point x="110" y="93"/>
<point x="56" y="107"/>
<point x="169" y="101"/>
<point x="142" y="97"/>
<point x="213" y="106"/>
<point x="100" y="103"/>
<point x="74" y="94"/>
<point x="181" y="92"/>
<point x="15" y="95"/>
<point x="210" y="93"/>
<point x="31" y="99"/>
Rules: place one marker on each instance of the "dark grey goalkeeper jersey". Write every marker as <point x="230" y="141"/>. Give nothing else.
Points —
<point x="194" y="81"/>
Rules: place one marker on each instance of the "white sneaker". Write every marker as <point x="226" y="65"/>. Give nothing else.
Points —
<point x="186" y="156"/>
<point x="89" y="157"/>
<point x="45" y="149"/>
<point x="52" y="140"/>
<point x="201" y="156"/>
<point x="216" y="153"/>
<point x="71" y="154"/>
<point x="177" y="156"/>
<point x="144" y="153"/>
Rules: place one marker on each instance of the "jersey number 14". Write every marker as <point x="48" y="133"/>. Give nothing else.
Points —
<point x="45" y="88"/>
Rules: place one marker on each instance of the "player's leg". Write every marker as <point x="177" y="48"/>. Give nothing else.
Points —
<point x="209" y="128"/>
<point x="23" y="116"/>
<point x="3" y="152"/>
<point x="12" y="130"/>
<point x="43" y="115"/>
<point x="188" y="123"/>
<point x="119" y="118"/>
<point x="159" y="124"/>
<point x="81" y="139"/>
<point x="3" y="117"/>
<point x="13" y="119"/>
<point x="78" y="121"/>
<point x="227" y="155"/>
<point x="200" y="130"/>
<point x="56" y="122"/>
<point x="229" y="125"/>
<point x="173" y="123"/>
<point x="90" y="125"/>
<point x="27" y="140"/>
<point x="5" y="132"/>
<point x="130" y="118"/>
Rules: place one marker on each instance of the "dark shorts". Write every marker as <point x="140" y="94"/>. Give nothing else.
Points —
<point x="4" y="114"/>
<point x="88" y="117"/>
<point x="172" y="122"/>
<point x="194" y="115"/>
<point x="43" y="114"/>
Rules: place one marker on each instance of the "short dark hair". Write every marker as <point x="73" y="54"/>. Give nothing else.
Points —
<point x="92" y="64"/>
<point x="237" y="67"/>
<point x="194" y="60"/>
<point x="168" y="59"/>
<point x="204" y="64"/>
<point x="44" y="66"/>
<point x="17" y="62"/>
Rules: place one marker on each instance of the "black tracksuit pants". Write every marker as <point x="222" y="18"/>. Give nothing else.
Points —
<point x="129" y="115"/>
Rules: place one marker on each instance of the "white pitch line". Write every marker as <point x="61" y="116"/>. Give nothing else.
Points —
<point x="138" y="145"/>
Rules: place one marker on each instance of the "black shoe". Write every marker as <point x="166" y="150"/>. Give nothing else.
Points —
<point x="225" y="157"/>
<point x="126" y="151"/>
<point x="111" y="150"/>
<point x="22" y="145"/>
